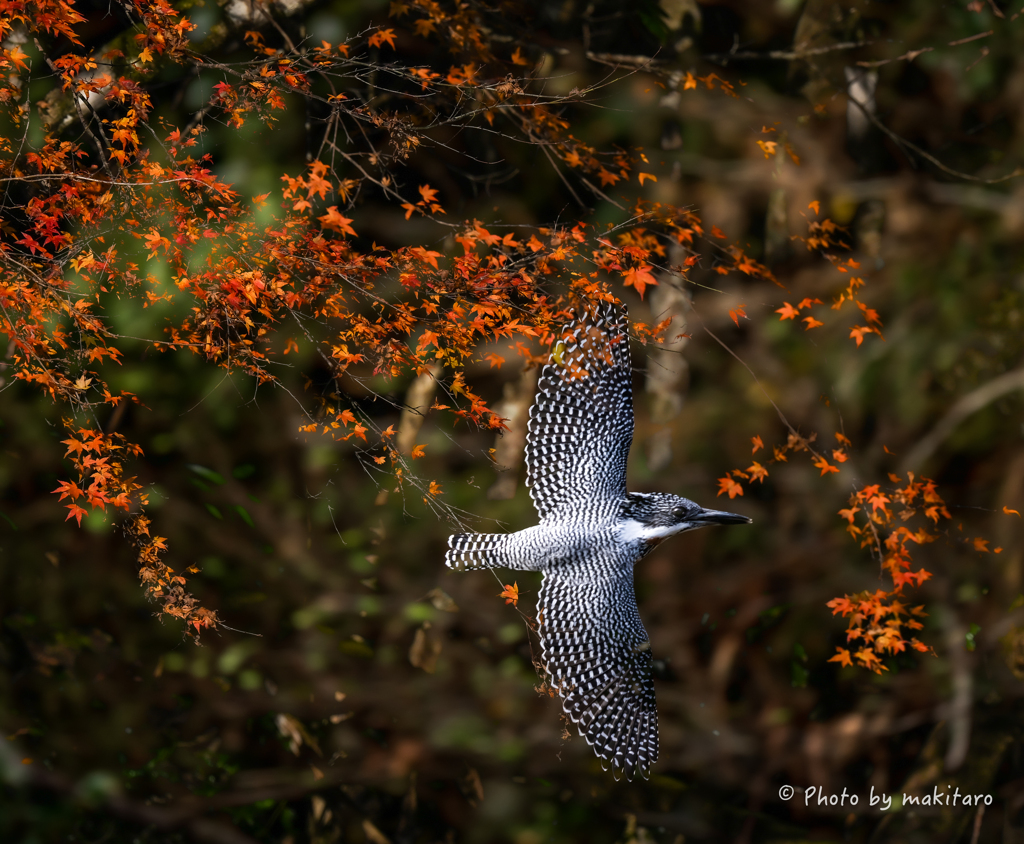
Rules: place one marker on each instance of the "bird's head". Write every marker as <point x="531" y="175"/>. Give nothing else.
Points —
<point x="654" y="516"/>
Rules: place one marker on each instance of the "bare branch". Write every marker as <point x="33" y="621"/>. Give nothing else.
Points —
<point x="970" y="404"/>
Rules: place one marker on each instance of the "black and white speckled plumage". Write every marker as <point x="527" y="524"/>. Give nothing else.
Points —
<point x="592" y="532"/>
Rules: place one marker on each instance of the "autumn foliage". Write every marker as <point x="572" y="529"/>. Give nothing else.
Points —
<point x="370" y="223"/>
<point x="100" y="211"/>
<point x="256" y="278"/>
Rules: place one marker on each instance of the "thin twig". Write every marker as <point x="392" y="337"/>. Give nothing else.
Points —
<point x="910" y="55"/>
<point x="949" y="171"/>
<point x="785" y="55"/>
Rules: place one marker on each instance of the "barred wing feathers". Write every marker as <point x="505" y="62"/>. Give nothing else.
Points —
<point x="598" y="656"/>
<point x="581" y="423"/>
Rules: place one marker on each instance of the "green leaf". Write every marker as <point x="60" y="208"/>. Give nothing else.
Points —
<point x="207" y="474"/>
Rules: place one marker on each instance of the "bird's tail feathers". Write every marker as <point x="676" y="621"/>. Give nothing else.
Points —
<point x="487" y="551"/>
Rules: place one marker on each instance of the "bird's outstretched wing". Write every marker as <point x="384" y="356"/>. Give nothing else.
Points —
<point x="598" y="657"/>
<point x="581" y="423"/>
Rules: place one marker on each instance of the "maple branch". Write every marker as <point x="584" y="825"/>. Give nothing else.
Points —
<point x="618" y="59"/>
<point x="601" y="193"/>
<point x="910" y="55"/>
<point x="793" y="55"/>
<point x="565" y="181"/>
<point x="77" y="100"/>
<point x="784" y="55"/>
<point x="789" y="55"/>
<point x="78" y="177"/>
<point x="966" y="406"/>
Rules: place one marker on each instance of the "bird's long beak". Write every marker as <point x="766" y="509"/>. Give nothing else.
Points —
<point x="719" y="517"/>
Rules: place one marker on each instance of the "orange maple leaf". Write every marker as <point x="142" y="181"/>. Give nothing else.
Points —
<point x="334" y="220"/>
<point x="1010" y="512"/>
<point x="869" y="314"/>
<point x="730" y="486"/>
<point x="428" y="193"/>
<point x="757" y="444"/>
<point x="858" y="332"/>
<point x="878" y="501"/>
<point x="842" y="657"/>
<point x="16" y="55"/>
<point x="787" y="311"/>
<point x="640" y="278"/>
<point x="423" y="27"/>
<point x="382" y="36"/>
<point x="68" y="488"/>
<point x="511" y="594"/>
<point x="428" y="256"/>
<point x="738" y="312"/>
<point x="812" y="323"/>
<point x="757" y="472"/>
<point x="869" y="659"/>
<point x="825" y="466"/>
<point x="75" y="512"/>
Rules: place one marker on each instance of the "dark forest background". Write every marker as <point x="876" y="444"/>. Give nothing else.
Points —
<point x="362" y="692"/>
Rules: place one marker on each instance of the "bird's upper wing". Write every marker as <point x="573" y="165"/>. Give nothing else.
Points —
<point x="597" y="655"/>
<point x="581" y="423"/>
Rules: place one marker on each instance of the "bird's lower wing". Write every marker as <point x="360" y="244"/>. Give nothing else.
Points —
<point x="598" y="657"/>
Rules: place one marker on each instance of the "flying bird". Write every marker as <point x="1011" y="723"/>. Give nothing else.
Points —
<point x="592" y="531"/>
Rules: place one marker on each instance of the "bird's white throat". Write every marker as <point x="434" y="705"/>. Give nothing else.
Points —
<point x="631" y="530"/>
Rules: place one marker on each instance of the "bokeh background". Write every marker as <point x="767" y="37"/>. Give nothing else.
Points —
<point x="361" y="692"/>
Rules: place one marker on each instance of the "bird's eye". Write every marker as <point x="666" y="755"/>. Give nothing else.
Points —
<point x="679" y="512"/>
